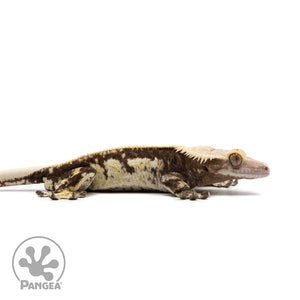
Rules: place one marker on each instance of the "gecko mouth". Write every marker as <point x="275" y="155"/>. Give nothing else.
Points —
<point x="250" y="174"/>
<point x="247" y="173"/>
<point x="262" y="170"/>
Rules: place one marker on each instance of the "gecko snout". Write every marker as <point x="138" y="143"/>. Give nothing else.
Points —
<point x="267" y="170"/>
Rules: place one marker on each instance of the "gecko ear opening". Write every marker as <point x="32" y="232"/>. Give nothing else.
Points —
<point x="236" y="157"/>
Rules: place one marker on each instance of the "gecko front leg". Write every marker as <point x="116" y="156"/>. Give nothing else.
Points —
<point x="70" y="185"/>
<point x="174" y="182"/>
<point x="226" y="183"/>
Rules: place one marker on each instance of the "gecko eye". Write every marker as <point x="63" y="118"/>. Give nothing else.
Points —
<point x="235" y="160"/>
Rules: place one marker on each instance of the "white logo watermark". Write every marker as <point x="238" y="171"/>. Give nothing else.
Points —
<point x="39" y="263"/>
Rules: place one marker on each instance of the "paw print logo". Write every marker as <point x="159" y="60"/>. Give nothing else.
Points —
<point x="38" y="259"/>
<point x="36" y="267"/>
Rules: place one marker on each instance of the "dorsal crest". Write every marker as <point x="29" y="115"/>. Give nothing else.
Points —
<point x="204" y="153"/>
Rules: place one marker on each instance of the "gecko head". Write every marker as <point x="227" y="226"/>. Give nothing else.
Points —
<point x="224" y="164"/>
<point x="235" y="164"/>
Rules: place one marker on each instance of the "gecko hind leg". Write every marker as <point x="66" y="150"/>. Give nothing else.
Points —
<point x="71" y="185"/>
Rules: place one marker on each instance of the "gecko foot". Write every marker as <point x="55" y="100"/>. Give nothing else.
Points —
<point x="226" y="183"/>
<point x="69" y="195"/>
<point x="193" y="195"/>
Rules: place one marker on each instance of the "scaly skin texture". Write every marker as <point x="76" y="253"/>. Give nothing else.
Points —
<point x="175" y="169"/>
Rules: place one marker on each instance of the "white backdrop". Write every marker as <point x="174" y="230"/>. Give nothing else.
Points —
<point x="82" y="76"/>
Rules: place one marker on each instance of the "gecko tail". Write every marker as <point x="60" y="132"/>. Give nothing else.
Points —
<point x="21" y="176"/>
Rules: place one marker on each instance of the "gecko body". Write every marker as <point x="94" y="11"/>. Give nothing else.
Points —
<point x="173" y="169"/>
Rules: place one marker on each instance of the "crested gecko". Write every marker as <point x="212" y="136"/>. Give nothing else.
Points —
<point x="173" y="169"/>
